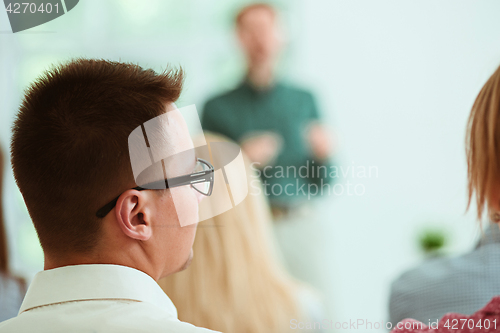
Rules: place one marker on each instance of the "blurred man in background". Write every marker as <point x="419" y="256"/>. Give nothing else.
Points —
<point x="279" y="128"/>
<point x="276" y="125"/>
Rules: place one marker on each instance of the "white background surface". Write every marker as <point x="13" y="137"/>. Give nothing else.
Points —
<point x="395" y="79"/>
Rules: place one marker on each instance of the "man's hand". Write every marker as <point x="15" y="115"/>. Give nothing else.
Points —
<point x="320" y="141"/>
<point x="262" y="148"/>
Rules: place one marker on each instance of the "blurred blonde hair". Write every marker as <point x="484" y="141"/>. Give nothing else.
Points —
<point x="483" y="147"/>
<point x="234" y="283"/>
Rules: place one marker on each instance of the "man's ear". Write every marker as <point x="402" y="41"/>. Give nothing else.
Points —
<point x="134" y="215"/>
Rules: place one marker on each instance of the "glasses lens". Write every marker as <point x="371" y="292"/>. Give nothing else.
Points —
<point x="202" y="186"/>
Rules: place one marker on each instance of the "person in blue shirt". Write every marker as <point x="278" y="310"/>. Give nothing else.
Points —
<point x="461" y="284"/>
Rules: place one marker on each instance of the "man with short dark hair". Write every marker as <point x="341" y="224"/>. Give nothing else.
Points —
<point x="106" y="241"/>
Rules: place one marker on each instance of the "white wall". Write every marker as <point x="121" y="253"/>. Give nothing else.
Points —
<point x="396" y="79"/>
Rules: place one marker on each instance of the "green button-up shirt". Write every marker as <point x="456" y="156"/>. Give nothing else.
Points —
<point x="281" y="109"/>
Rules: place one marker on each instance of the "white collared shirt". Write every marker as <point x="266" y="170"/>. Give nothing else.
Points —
<point x="96" y="298"/>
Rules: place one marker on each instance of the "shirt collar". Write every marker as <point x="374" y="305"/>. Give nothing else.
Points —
<point x="93" y="282"/>
<point x="247" y="84"/>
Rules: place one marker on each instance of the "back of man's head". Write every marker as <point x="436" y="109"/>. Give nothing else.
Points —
<point x="70" y="144"/>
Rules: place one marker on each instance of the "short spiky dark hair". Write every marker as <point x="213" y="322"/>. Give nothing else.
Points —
<point x="70" y="143"/>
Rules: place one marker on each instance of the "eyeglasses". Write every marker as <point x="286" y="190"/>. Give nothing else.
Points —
<point x="202" y="180"/>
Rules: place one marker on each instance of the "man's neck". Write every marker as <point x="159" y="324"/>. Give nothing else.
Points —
<point x="261" y="75"/>
<point x="51" y="263"/>
<point x="139" y="263"/>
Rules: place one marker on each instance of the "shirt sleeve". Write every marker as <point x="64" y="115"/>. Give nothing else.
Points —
<point x="399" y="302"/>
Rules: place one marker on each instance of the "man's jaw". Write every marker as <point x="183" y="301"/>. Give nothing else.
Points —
<point x="188" y="261"/>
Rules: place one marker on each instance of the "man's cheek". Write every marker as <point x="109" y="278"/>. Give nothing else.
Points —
<point x="199" y="196"/>
<point x="186" y="205"/>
